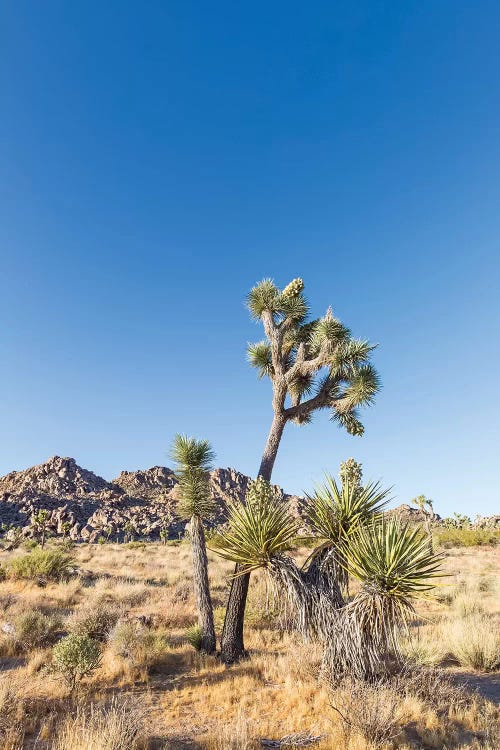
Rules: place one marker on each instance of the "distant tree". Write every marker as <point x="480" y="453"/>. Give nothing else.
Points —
<point x="167" y="515"/>
<point x="425" y="505"/>
<point x="66" y="528"/>
<point x="193" y="460"/>
<point x="40" y="521"/>
<point x="164" y="535"/>
<point x="129" y="531"/>
<point x="312" y="365"/>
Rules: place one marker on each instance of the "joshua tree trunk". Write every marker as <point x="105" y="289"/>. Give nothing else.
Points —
<point x="271" y="448"/>
<point x="232" y="644"/>
<point x="201" y="585"/>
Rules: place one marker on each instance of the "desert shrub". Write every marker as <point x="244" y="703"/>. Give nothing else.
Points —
<point x="6" y="601"/>
<point x="136" y="644"/>
<point x="75" y="657"/>
<point x="130" y="593"/>
<point x="465" y="537"/>
<point x="29" y="544"/>
<point x="372" y="711"/>
<point x="475" y="642"/>
<point x="233" y="736"/>
<point x="194" y="637"/>
<point x="9" y="702"/>
<point x="94" y="622"/>
<point x="47" y="564"/>
<point x="423" y="648"/>
<point x="485" y="584"/>
<point x="34" y="629"/>
<point x="3" y="573"/>
<point x="182" y="592"/>
<point x="446" y="595"/>
<point x="432" y="686"/>
<point x="118" y="726"/>
<point x="468" y="604"/>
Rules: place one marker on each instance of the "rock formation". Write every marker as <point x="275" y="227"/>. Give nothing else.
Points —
<point x="136" y="505"/>
<point x="85" y="507"/>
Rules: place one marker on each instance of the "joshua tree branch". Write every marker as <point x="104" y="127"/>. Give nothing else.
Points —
<point x="303" y="366"/>
<point x="319" y="401"/>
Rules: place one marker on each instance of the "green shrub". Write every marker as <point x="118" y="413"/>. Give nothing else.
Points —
<point x="34" y="629"/>
<point x="75" y="657"/>
<point x="30" y="544"/>
<point x="194" y="637"/>
<point x="465" y="537"/>
<point x="53" y="565"/>
<point x="136" y="644"/>
<point x="94" y="622"/>
<point x="135" y="545"/>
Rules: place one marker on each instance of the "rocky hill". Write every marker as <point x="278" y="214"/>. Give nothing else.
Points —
<point x="84" y="506"/>
<point x="137" y="504"/>
<point x="61" y="477"/>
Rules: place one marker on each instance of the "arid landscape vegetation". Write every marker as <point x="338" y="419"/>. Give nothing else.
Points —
<point x="249" y="385"/>
<point x="195" y="607"/>
<point x="145" y="684"/>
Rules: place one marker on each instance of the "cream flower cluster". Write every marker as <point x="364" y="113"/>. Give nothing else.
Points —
<point x="294" y="288"/>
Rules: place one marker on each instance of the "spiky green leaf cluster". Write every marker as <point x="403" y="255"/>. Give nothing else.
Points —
<point x="263" y="297"/>
<point x="190" y="452"/>
<point x="393" y="558"/>
<point x="266" y="297"/>
<point x="259" y="356"/>
<point x="258" y="530"/>
<point x="194" y="459"/>
<point x="395" y="566"/>
<point x="327" y="334"/>
<point x="349" y="421"/>
<point x="334" y="513"/>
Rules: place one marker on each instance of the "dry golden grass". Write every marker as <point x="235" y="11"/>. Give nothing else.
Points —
<point x="181" y="699"/>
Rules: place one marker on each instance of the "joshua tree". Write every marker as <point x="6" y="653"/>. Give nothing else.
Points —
<point x="66" y="527"/>
<point x="312" y="365"/>
<point x="425" y="505"/>
<point x="167" y="515"/>
<point x="194" y="460"/>
<point x="40" y="521"/>
<point x="129" y="531"/>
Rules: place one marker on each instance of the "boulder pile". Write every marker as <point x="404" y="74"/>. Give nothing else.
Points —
<point x="85" y="507"/>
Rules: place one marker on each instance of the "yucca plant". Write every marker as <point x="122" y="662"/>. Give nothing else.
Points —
<point x="394" y="565"/>
<point x="257" y="530"/>
<point x="258" y="535"/>
<point x="335" y="513"/>
<point x="193" y="460"/>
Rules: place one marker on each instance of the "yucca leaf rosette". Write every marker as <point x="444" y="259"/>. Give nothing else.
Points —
<point x="257" y="530"/>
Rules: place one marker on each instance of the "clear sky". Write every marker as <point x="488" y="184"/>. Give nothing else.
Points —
<point x="159" y="158"/>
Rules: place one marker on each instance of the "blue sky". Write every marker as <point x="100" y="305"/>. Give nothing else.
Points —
<point x="160" y="158"/>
